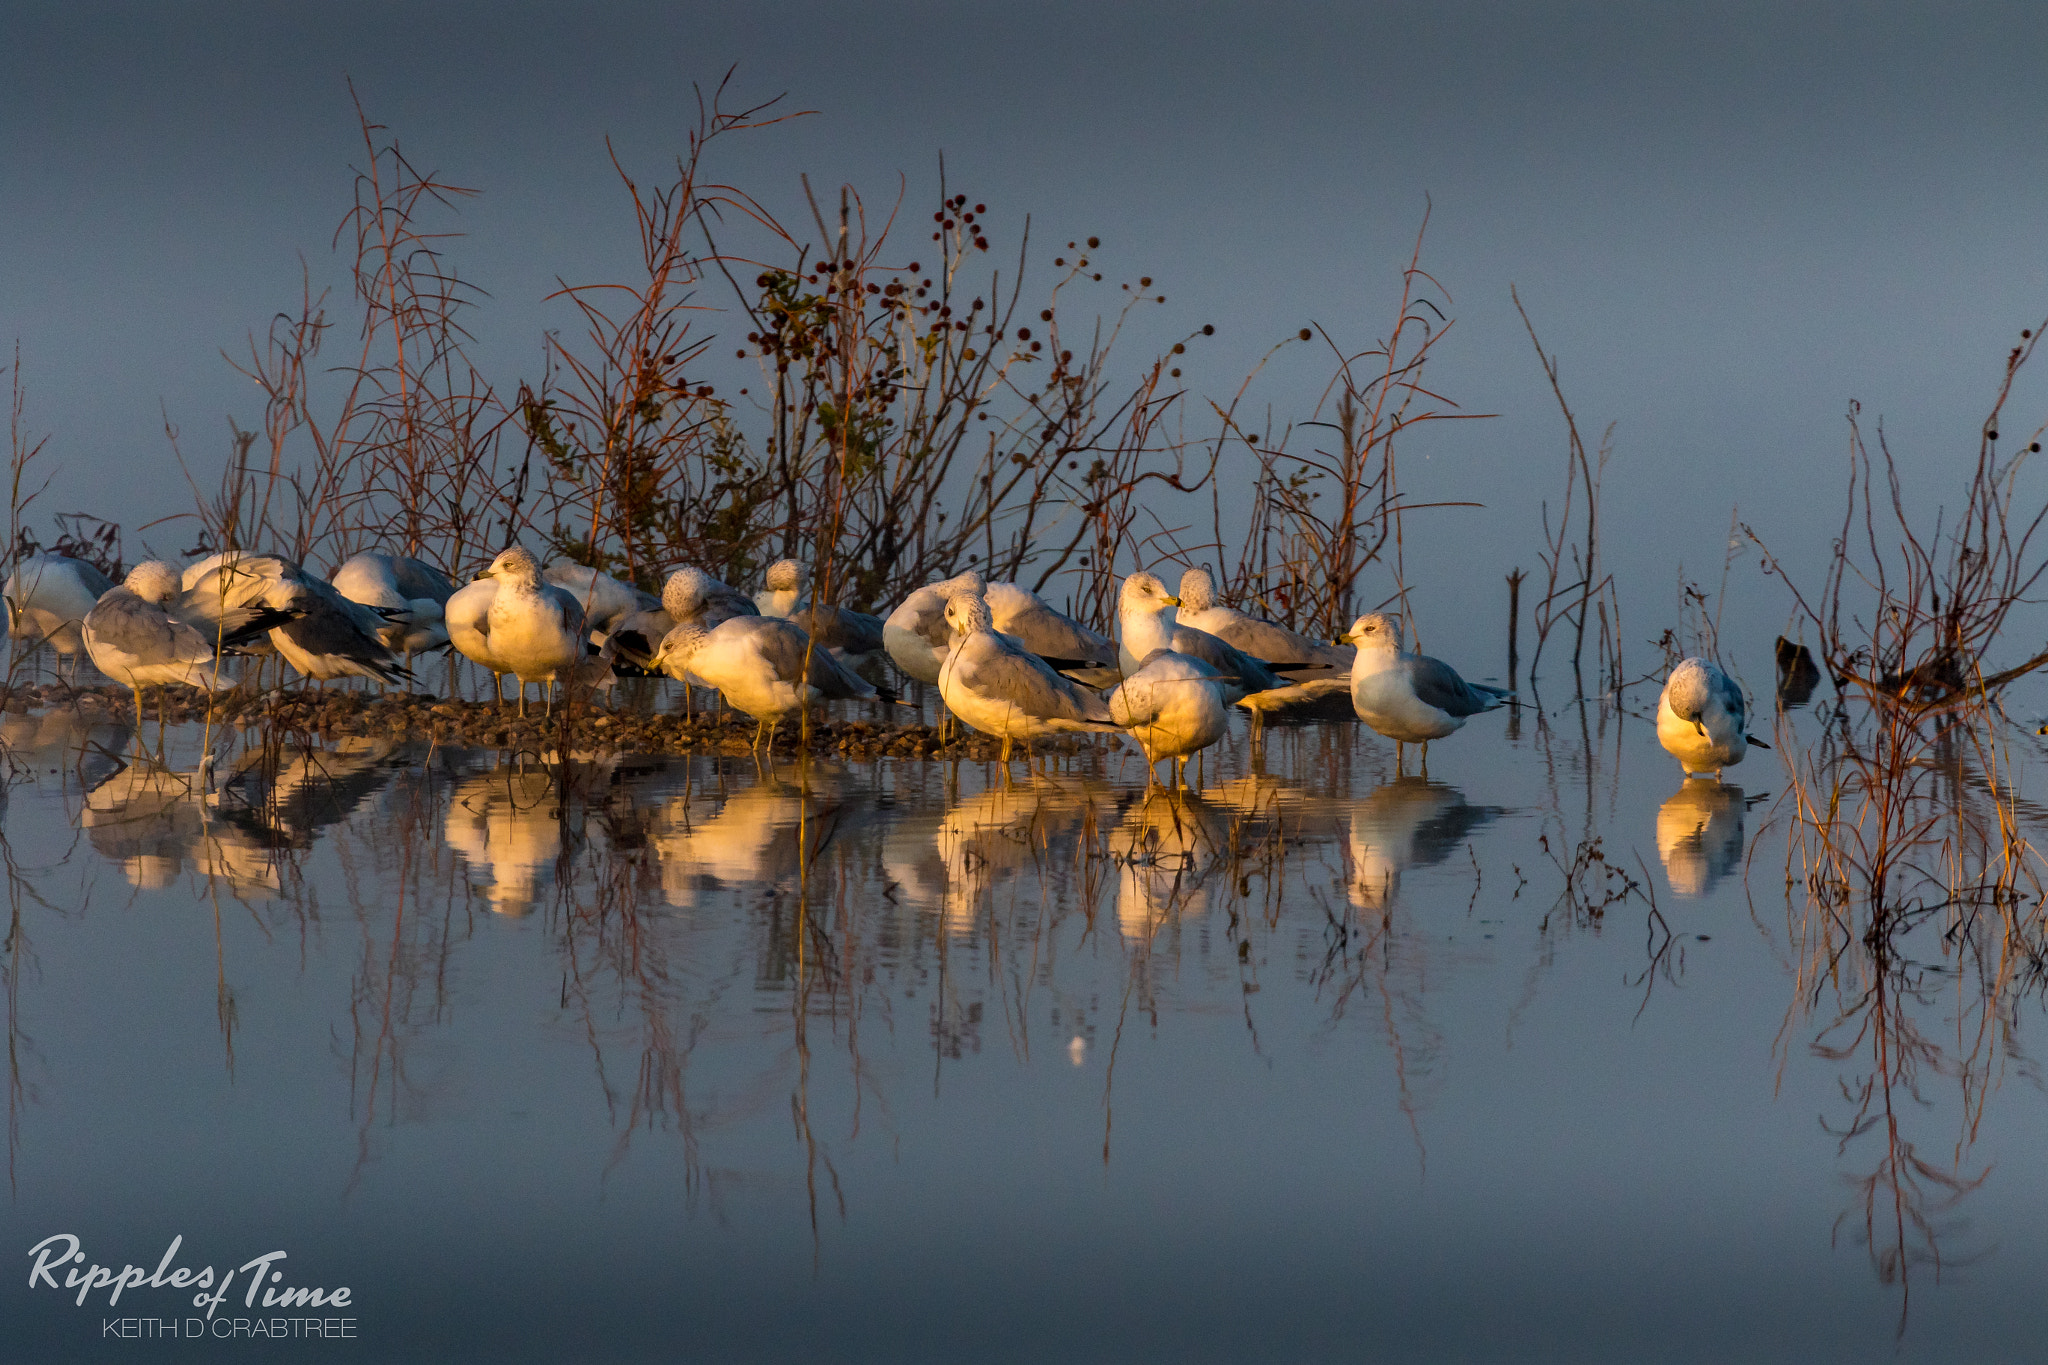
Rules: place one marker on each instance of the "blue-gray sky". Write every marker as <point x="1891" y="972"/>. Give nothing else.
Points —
<point x="1727" y="222"/>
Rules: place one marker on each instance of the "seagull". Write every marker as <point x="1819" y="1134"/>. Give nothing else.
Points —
<point x="467" y="615"/>
<point x="689" y="595"/>
<point x="855" y="638"/>
<point x="916" y="634"/>
<point x="1410" y="698"/>
<point x="1147" y="618"/>
<point x="1052" y="635"/>
<point x="1001" y="689"/>
<point x="1173" y="706"/>
<point x="135" y="638"/>
<point x="328" y="636"/>
<point x="536" y="628"/>
<point x="1701" y="719"/>
<point x="1287" y="651"/>
<point x="762" y="665"/>
<point x="781" y="587"/>
<point x="411" y="595"/>
<point x="604" y="599"/>
<point x="48" y="597"/>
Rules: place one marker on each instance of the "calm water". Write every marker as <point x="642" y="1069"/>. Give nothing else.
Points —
<point x="683" y="1059"/>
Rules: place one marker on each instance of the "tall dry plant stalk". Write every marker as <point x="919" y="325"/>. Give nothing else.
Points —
<point x="1588" y="592"/>
<point x="1318" y="520"/>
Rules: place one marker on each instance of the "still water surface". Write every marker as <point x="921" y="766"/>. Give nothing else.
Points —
<point x="684" y="1058"/>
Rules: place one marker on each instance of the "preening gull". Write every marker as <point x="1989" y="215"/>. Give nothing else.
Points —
<point x="1173" y="706"/>
<point x="135" y="638"/>
<point x="48" y="597"/>
<point x="916" y="634"/>
<point x="1410" y="698"/>
<point x="329" y="636"/>
<point x="762" y="665"/>
<point x="1287" y="651"/>
<point x="1000" y="689"/>
<point x="781" y="587"/>
<point x="689" y="596"/>
<point x="1147" y="617"/>
<point x="1702" y="719"/>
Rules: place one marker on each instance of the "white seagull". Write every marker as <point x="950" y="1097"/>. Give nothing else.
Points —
<point x="135" y="638"/>
<point x="536" y="629"/>
<point x="1410" y="698"/>
<point x="1147" y="618"/>
<point x="48" y="597"/>
<point x="1702" y="719"/>
<point x="1287" y="651"/>
<point x="411" y="595"/>
<point x="1173" y="706"/>
<point x="762" y="665"/>
<point x="999" y="688"/>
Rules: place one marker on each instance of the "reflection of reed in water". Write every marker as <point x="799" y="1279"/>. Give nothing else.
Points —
<point x="1164" y="849"/>
<point x="1409" y="822"/>
<point x="64" y="739"/>
<point x="1699" y="835"/>
<point x="508" y="823"/>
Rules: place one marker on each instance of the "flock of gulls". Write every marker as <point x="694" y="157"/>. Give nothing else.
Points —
<point x="1004" y="661"/>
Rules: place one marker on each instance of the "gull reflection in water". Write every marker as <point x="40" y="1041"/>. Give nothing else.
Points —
<point x="65" y="739"/>
<point x="1409" y="822"/>
<point x="1164" y="848"/>
<point x="507" y="823"/>
<point x="1699" y="835"/>
<point x="751" y="839"/>
<point x="986" y="839"/>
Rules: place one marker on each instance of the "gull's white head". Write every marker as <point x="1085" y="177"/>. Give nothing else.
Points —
<point x="968" y="613"/>
<point x="154" y="581"/>
<point x="1197" y="590"/>
<point x="516" y="565"/>
<point x="785" y="575"/>
<point x="1376" y="630"/>
<point x="1145" y="595"/>
<point x="677" y="648"/>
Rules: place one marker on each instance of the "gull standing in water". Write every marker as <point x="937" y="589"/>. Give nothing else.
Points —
<point x="48" y="597"/>
<point x="689" y="596"/>
<point x="135" y="638"/>
<point x="1410" y="698"/>
<point x="1702" y="719"/>
<point x="762" y="665"/>
<point x="535" y="628"/>
<point x="1000" y="689"/>
<point x="1173" y="706"/>
<point x="1147" y="618"/>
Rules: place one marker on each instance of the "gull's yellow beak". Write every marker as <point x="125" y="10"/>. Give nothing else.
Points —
<point x="1173" y="601"/>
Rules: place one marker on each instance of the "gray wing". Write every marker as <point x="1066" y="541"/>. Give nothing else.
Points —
<point x="784" y="645"/>
<point x="726" y="602"/>
<point x="570" y="608"/>
<point x="1437" y="684"/>
<point x="417" y="579"/>
<point x="1054" y="635"/>
<point x="125" y="622"/>
<point x="1278" y="646"/>
<point x="326" y="630"/>
<point x="854" y="632"/>
<point x="990" y="667"/>
<point x="1732" y="700"/>
<point x="1251" y="674"/>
